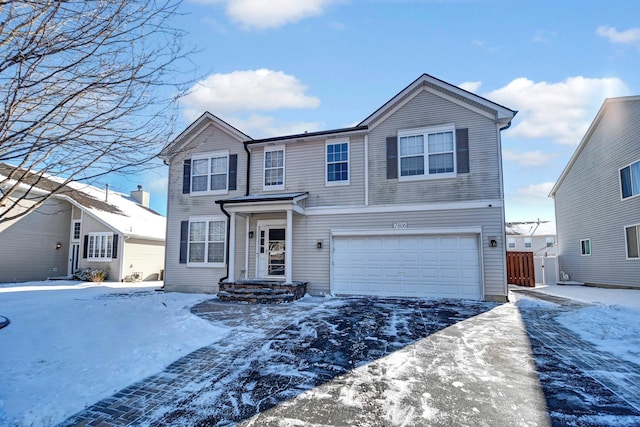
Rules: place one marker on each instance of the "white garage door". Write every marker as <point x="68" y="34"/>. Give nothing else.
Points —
<point x="407" y="266"/>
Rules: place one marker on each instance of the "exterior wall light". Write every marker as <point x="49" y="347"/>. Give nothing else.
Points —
<point x="58" y="245"/>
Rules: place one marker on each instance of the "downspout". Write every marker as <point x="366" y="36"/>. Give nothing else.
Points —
<point x="221" y="203"/>
<point x="246" y="148"/>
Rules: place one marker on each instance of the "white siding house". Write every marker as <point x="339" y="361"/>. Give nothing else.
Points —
<point x="409" y="202"/>
<point x="597" y="200"/>
<point x="80" y="227"/>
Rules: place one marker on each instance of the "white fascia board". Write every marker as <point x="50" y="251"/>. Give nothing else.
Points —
<point x="88" y="212"/>
<point x="168" y="151"/>
<point x="408" y="232"/>
<point x="263" y="207"/>
<point x="340" y="210"/>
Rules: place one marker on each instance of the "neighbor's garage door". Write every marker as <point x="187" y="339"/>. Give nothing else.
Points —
<point x="411" y="266"/>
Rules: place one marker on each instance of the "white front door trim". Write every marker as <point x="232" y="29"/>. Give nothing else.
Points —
<point x="261" y="258"/>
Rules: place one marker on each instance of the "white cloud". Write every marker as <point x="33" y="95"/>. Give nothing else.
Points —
<point x="258" y="126"/>
<point x="262" y="14"/>
<point x="249" y="91"/>
<point x="560" y="111"/>
<point x="630" y="36"/>
<point x="536" y="191"/>
<point x="470" y="86"/>
<point x="527" y="158"/>
<point x="543" y="36"/>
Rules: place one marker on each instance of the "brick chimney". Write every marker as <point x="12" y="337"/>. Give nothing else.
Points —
<point x="141" y="196"/>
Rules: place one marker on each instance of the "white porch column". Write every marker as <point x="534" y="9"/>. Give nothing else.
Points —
<point x="288" y="248"/>
<point x="232" y="248"/>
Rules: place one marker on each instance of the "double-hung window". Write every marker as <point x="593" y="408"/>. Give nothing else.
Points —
<point x="100" y="246"/>
<point x="207" y="238"/>
<point x="209" y="173"/>
<point x="527" y="242"/>
<point x="337" y="163"/>
<point x="273" y="168"/>
<point x="511" y="242"/>
<point x="630" y="180"/>
<point x="427" y="153"/>
<point x="633" y="241"/>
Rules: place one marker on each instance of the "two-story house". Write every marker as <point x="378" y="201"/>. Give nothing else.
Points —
<point x="409" y="202"/>
<point x="597" y="200"/>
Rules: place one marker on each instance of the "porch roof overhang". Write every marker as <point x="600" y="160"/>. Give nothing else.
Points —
<point x="258" y="203"/>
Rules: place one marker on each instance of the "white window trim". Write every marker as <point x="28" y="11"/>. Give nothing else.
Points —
<point x="511" y="242"/>
<point x="205" y="263"/>
<point x="284" y="168"/>
<point x="620" y="182"/>
<point x="209" y="156"/>
<point x="449" y="127"/>
<point x="328" y="183"/>
<point x="91" y="258"/>
<point x="626" y="246"/>
<point x="528" y="242"/>
<point x="590" y="249"/>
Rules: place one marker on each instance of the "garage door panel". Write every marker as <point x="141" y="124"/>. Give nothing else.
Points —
<point x="422" y="266"/>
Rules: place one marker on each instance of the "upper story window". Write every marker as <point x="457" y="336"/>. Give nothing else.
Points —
<point x="100" y="246"/>
<point x="209" y="173"/>
<point x="550" y="241"/>
<point x="427" y="152"/>
<point x="585" y="247"/>
<point x="633" y="241"/>
<point x="337" y="163"/>
<point x="527" y="242"/>
<point x="207" y="241"/>
<point x="630" y="180"/>
<point x="274" y="168"/>
<point x="511" y="241"/>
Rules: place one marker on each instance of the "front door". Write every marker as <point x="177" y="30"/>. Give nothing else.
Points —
<point x="271" y="250"/>
<point x="74" y="257"/>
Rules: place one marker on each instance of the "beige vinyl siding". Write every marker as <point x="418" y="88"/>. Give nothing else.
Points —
<point x="143" y="256"/>
<point x="589" y="205"/>
<point x="181" y="207"/>
<point x="112" y="268"/>
<point x="28" y="247"/>
<point x="313" y="265"/>
<point x="305" y="164"/>
<point x="424" y="110"/>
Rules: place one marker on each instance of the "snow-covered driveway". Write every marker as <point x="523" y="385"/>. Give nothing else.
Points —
<point x="370" y="362"/>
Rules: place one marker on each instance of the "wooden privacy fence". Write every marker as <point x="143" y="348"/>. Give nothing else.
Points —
<point x="520" y="270"/>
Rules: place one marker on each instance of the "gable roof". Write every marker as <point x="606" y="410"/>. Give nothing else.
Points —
<point x="195" y="128"/>
<point x="587" y="136"/>
<point x="117" y="211"/>
<point x="502" y="114"/>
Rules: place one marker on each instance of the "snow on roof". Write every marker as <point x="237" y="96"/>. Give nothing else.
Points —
<point x="531" y="228"/>
<point x="116" y="210"/>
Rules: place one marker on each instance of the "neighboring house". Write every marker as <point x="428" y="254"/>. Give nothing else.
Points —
<point x="597" y="200"/>
<point x="82" y="227"/>
<point x="538" y="237"/>
<point x="409" y="202"/>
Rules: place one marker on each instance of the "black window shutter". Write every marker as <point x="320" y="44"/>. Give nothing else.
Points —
<point x="184" y="241"/>
<point x="85" y="249"/>
<point x="392" y="157"/>
<point x="114" y="249"/>
<point x="462" y="150"/>
<point x="186" y="177"/>
<point x="233" y="171"/>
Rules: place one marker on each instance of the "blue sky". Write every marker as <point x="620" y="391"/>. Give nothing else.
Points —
<point x="285" y="66"/>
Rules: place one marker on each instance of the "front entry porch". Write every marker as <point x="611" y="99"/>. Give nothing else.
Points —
<point x="266" y="275"/>
<point x="261" y="291"/>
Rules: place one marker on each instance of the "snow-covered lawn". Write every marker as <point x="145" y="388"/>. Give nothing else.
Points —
<point x="71" y="344"/>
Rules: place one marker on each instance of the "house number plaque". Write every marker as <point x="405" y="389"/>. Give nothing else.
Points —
<point x="400" y="225"/>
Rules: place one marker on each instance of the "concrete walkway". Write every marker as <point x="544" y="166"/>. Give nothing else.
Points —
<point x="367" y="362"/>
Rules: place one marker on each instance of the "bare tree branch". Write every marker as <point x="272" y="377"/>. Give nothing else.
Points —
<point x="88" y="89"/>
